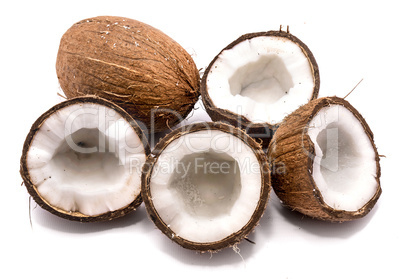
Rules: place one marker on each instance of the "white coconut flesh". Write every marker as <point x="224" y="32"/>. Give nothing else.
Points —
<point x="86" y="158"/>
<point x="206" y="185"/>
<point x="263" y="78"/>
<point x="344" y="168"/>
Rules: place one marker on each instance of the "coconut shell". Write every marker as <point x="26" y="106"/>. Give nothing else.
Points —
<point x="31" y="187"/>
<point x="261" y="131"/>
<point x="132" y="64"/>
<point x="232" y="239"/>
<point x="291" y="154"/>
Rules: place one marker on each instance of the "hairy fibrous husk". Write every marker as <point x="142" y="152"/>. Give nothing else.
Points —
<point x="132" y="64"/>
<point x="292" y="148"/>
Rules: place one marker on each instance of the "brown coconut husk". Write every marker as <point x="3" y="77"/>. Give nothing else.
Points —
<point x="292" y="148"/>
<point x="232" y="239"/>
<point x="32" y="188"/>
<point x="261" y="131"/>
<point x="132" y="64"/>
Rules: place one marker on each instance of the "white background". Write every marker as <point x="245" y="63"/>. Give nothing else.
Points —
<point x="350" y="40"/>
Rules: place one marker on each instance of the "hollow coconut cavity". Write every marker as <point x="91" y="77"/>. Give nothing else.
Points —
<point x="259" y="79"/>
<point x="82" y="160"/>
<point x="206" y="186"/>
<point x="330" y="165"/>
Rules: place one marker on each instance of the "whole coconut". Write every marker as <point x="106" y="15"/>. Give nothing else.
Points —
<point x="131" y="64"/>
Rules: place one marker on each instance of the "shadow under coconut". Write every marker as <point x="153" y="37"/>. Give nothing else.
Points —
<point x="45" y="219"/>
<point x="154" y="138"/>
<point x="227" y="256"/>
<point x="324" y="228"/>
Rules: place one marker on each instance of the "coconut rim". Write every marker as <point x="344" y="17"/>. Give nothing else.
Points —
<point x="218" y="114"/>
<point x="235" y="237"/>
<point x="31" y="188"/>
<point x="336" y="213"/>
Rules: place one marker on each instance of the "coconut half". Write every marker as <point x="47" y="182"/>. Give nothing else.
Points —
<point x="330" y="165"/>
<point x="205" y="186"/>
<point x="82" y="160"/>
<point x="257" y="80"/>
